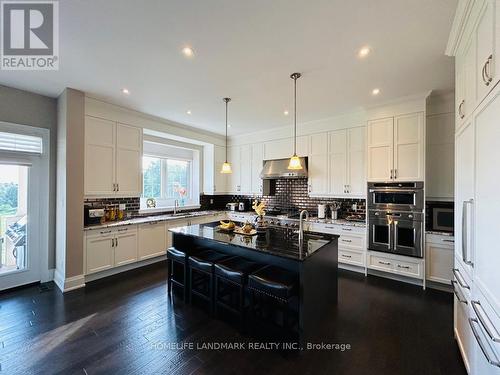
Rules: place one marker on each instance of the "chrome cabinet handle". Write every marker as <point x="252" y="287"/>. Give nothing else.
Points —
<point x="456" y="273"/>
<point x="494" y="362"/>
<point x="464" y="301"/>
<point x="116" y="242"/>
<point x="114" y="187"/>
<point x="395" y="174"/>
<point x="346" y="240"/>
<point x="403" y="267"/>
<point x="494" y="336"/>
<point x="384" y="263"/>
<point x="117" y="187"/>
<point x="309" y="188"/>
<point x="487" y="75"/>
<point x="346" y="256"/>
<point x="347" y="229"/>
<point x="391" y="173"/>
<point x="112" y="242"/>
<point x="460" y="112"/>
<point x="464" y="232"/>
<point x="446" y="240"/>
<point x="123" y="230"/>
<point x="105" y="231"/>
<point x="483" y="73"/>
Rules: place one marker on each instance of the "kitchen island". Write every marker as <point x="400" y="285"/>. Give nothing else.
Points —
<point x="314" y="260"/>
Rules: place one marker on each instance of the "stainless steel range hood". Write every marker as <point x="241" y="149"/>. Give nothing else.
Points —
<point x="274" y="169"/>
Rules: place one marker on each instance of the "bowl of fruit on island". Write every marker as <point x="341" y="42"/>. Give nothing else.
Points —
<point x="226" y="226"/>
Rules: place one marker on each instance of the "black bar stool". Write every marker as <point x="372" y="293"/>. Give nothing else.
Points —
<point x="231" y="277"/>
<point x="275" y="283"/>
<point x="201" y="275"/>
<point x="177" y="259"/>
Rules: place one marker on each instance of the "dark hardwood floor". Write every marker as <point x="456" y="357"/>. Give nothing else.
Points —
<point x="124" y="324"/>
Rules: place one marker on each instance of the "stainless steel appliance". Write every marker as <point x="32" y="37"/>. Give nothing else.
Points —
<point x="397" y="232"/>
<point x="402" y="196"/>
<point x="278" y="168"/>
<point x="231" y="206"/>
<point x="440" y="216"/>
<point x="395" y="217"/>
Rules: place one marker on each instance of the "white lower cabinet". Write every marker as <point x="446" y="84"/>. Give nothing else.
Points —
<point x="110" y="248"/>
<point x="396" y="264"/>
<point x="152" y="240"/>
<point x="439" y="258"/>
<point x="125" y="246"/>
<point x="351" y="242"/>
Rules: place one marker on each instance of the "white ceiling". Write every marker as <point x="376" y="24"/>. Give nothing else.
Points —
<point x="247" y="50"/>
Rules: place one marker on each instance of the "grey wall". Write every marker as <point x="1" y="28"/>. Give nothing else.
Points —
<point x="26" y="108"/>
<point x="70" y="168"/>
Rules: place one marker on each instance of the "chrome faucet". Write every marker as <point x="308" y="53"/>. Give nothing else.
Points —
<point x="301" y="223"/>
<point x="176" y="205"/>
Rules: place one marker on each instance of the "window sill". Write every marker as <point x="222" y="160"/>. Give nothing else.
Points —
<point x="168" y="209"/>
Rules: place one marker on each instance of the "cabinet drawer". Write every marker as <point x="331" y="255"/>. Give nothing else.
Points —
<point x="377" y="262"/>
<point x="357" y="242"/>
<point x="352" y="257"/>
<point x="408" y="268"/>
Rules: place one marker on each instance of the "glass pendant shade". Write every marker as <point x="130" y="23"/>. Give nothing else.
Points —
<point x="294" y="163"/>
<point x="226" y="168"/>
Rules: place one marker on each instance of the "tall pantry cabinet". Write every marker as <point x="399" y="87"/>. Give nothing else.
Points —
<point x="474" y="41"/>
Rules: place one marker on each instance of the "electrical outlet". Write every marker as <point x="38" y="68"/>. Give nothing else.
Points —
<point x="354" y="207"/>
<point x="211" y="201"/>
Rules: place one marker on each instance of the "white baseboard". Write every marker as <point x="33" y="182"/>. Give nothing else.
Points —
<point x="70" y="283"/>
<point x="127" y="267"/>
<point x="404" y="279"/>
<point x="48" y="275"/>
<point x="351" y="267"/>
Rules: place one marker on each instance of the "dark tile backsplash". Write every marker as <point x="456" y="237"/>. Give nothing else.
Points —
<point x="291" y="197"/>
<point x="132" y="204"/>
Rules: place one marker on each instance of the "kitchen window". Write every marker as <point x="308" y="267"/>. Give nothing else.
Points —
<point x="169" y="175"/>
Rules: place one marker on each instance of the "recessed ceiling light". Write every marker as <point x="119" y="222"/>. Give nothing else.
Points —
<point x="188" y="51"/>
<point x="363" y="52"/>
<point x="285" y="112"/>
<point x="375" y="91"/>
<point x="188" y="111"/>
<point x="125" y="91"/>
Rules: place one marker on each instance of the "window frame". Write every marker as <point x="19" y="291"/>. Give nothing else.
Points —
<point x="164" y="202"/>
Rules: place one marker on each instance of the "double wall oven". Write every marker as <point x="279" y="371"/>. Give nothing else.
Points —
<point x="395" y="217"/>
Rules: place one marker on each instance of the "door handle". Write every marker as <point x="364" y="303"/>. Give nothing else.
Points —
<point x="462" y="283"/>
<point x="460" y="113"/>
<point x="487" y="75"/>
<point x="465" y="229"/>
<point x="494" y="362"/>
<point x="464" y="301"/>
<point x="494" y="336"/>
<point x="391" y="173"/>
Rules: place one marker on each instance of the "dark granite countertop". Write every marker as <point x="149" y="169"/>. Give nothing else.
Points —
<point x="281" y="242"/>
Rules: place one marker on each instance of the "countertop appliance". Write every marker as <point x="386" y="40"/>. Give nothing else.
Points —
<point x="231" y="206"/>
<point x="92" y="215"/>
<point x="401" y="196"/>
<point x="242" y="206"/>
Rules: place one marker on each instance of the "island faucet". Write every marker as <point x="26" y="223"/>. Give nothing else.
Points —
<point x="301" y="223"/>
<point x="176" y="205"/>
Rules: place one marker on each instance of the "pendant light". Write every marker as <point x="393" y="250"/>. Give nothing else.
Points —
<point x="226" y="167"/>
<point x="294" y="162"/>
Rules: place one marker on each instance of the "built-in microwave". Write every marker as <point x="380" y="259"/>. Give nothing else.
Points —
<point x="440" y="216"/>
<point x="402" y="196"/>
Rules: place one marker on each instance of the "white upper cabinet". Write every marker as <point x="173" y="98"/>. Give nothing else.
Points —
<point x="128" y="160"/>
<point x="318" y="164"/>
<point x="338" y="162"/>
<point x="214" y="182"/>
<point x="380" y="149"/>
<point x="257" y="164"/>
<point x="113" y="157"/>
<point x="356" y="157"/>
<point x="396" y="148"/>
<point x="485" y="49"/>
<point x="245" y="169"/>
<point x="234" y="179"/>
<point x="99" y="156"/>
<point x="409" y="147"/>
<point x="283" y="148"/>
